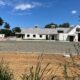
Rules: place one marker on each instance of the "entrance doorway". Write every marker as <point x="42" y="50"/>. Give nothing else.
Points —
<point x="23" y="36"/>
<point x="52" y="37"/>
<point x="47" y="37"/>
<point x="78" y="36"/>
<point x="71" y="38"/>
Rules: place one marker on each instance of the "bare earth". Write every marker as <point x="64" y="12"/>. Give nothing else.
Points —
<point x="19" y="62"/>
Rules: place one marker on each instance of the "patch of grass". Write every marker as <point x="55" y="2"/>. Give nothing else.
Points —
<point x="47" y="73"/>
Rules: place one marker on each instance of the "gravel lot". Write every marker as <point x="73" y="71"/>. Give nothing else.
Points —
<point x="38" y="46"/>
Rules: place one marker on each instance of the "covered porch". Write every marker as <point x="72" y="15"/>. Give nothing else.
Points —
<point x="19" y="35"/>
<point x="71" y="37"/>
<point x="52" y="37"/>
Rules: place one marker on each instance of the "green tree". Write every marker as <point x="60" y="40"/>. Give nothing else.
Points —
<point x="7" y="32"/>
<point x="16" y="29"/>
<point x="1" y="21"/>
<point x="6" y="26"/>
<point x="36" y="26"/>
<point x="51" y="25"/>
<point x="65" y="25"/>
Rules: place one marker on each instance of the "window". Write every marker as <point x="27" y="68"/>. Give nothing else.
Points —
<point x="28" y="35"/>
<point x="60" y="31"/>
<point x="34" y="35"/>
<point x="78" y="29"/>
<point x="40" y="36"/>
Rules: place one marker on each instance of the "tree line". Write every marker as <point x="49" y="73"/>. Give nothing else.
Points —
<point x="53" y="25"/>
<point x="6" y="29"/>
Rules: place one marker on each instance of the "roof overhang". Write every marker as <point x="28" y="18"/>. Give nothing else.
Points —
<point x="71" y="35"/>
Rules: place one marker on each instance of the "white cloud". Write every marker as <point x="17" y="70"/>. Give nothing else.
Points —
<point x="2" y="3"/>
<point x="20" y="4"/>
<point x="24" y="6"/>
<point x="37" y="4"/>
<point x="20" y="7"/>
<point x="73" y="11"/>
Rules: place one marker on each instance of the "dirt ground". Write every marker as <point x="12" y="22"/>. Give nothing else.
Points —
<point x="18" y="62"/>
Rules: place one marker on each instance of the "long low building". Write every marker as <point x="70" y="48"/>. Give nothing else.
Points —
<point x="56" y="34"/>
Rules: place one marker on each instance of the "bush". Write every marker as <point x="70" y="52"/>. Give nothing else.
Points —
<point x="5" y="73"/>
<point x="38" y="73"/>
<point x="7" y="33"/>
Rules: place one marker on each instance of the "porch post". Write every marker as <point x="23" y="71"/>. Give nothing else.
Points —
<point x="76" y="38"/>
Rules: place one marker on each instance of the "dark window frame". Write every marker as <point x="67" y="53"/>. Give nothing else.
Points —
<point x="40" y="36"/>
<point x="28" y="35"/>
<point x="78" y="29"/>
<point x="60" y="31"/>
<point x="34" y="35"/>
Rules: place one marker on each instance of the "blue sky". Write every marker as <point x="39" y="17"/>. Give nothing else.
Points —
<point x="28" y="13"/>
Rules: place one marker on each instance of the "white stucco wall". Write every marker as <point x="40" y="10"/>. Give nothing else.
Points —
<point x="63" y="37"/>
<point x="76" y="38"/>
<point x="2" y="35"/>
<point x="73" y="31"/>
<point x="37" y="36"/>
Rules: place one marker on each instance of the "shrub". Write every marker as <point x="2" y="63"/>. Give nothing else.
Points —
<point x="5" y="73"/>
<point x="37" y="73"/>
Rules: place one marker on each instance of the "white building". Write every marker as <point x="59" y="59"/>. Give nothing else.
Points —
<point x="59" y="34"/>
<point x="2" y="37"/>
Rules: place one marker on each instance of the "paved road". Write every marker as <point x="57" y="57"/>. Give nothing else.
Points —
<point x="38" y="46"/>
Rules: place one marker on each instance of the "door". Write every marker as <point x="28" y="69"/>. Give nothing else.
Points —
<point x="71" y="38"/>
<point x="52" y="37"/>
<point x="46" y="37"/>
<point x="78" y="36"/>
